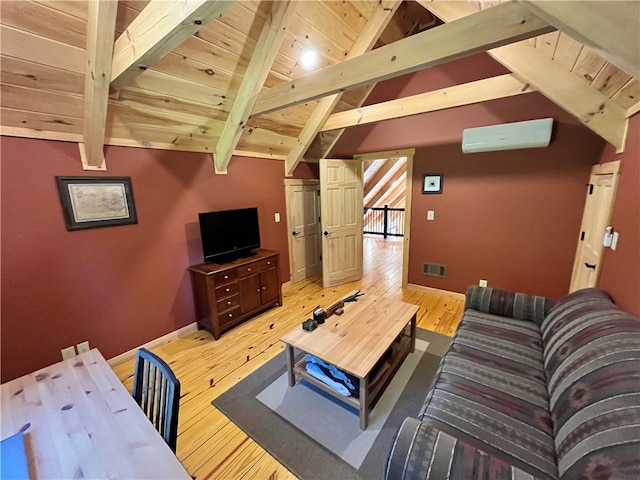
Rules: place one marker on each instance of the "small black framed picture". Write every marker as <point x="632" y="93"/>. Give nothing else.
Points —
<point x="91" y="202"/>
<point x="432" y="183"/>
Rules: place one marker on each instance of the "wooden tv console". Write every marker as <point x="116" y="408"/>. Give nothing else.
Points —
<point x="228" y="294"/>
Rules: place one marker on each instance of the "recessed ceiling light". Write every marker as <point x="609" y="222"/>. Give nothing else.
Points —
<point x="308" y="57"/>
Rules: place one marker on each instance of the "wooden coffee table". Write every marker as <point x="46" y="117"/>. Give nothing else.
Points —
<point x="355" y="342"/>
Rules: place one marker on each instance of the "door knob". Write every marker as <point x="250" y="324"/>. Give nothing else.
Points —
<point x="326" y="234"/>
<point x="588" y="265"/>
<point x="295" y="234"/>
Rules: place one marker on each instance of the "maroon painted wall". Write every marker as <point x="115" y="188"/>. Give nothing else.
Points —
<point x="620" y="274"/>
<point x="509" y="217"/>
<point x="117" y="287"/>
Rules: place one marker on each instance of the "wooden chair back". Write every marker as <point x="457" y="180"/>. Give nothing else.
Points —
<point x="157" y="390"/>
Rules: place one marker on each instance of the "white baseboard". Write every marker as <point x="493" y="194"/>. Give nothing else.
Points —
<point x="131" y="354"/>
<point x="436" y="291"/>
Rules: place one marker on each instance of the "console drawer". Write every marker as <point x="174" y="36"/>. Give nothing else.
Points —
<point x="249" y="269"/>
<point x="227" y="304"/>
<point x="229" y="317"/>
<point x="266" y="264"/>
<point x="226" y="290"/>
<point x="225" y="277"/>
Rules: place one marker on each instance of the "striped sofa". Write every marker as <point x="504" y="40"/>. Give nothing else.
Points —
<point x="530" y="388"/>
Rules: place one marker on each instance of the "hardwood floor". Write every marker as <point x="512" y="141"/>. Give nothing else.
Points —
<point x="209" y="444"/>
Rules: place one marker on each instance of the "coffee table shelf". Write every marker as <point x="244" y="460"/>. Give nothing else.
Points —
<point x="302" y="373"/>
<point x="376" y="385"/>
<point x="357" y="342"/>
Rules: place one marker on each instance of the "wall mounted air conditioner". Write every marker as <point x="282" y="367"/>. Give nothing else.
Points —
<point x="507" y="136"/>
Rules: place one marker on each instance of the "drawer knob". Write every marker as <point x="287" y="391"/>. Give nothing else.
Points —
<point x="257" y="290"/>
<point x="229" y="302"/>
<point x="227" y="290"/>
<point x="226" y="277"/>
<point x="264" y="288"/>
<point x="249" y="269"/>
<point x="231" y="315"/>
<point x="268" y="263"/>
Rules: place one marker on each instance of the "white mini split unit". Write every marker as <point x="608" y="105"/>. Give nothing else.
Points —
<point x="507" y="136"/>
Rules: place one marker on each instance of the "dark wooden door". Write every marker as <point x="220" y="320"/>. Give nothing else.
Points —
<point x="250" y="297"/>
<point x="269" y="286"/>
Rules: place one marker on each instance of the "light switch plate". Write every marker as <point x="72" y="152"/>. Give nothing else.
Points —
<point x="431" y="214"/>
<point x="277" y="217"/>
<point x="614" y="241"/>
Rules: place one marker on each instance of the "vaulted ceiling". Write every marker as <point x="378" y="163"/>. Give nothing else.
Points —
<point x="384" y="182"/>
<point x="225" y="78"/>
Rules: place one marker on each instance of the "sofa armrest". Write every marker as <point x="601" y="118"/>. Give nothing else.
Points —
<point x="421" y="451"/>
<point x="520" y="306"/>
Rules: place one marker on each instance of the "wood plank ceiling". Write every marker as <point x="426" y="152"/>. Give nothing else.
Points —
<point x="224" y="77"/>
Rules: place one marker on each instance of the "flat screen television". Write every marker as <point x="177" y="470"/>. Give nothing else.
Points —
<point x="229" y="234"/>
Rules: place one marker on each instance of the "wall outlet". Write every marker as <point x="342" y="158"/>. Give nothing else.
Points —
<point x="83" y="347"/>
<point x="431" y="214"/>
<point x="483" y="283"/>
<point x="68" y="352"/>
<point x="277" y="217"/>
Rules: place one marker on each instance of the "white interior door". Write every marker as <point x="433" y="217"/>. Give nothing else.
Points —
<point x="598" y="209"/>
<point x="341" y="200"/>
<point x="303" y="222"/>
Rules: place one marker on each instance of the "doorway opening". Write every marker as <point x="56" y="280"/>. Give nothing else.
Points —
<point x="387" y="206"/>
<point x="384" y="196"/>
<point x="390" y="179"/>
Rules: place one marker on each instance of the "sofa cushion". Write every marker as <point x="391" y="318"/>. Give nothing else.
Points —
<point x="490" y="391"/>
<point x="423" y="451"/>
<point x="592" y="360"/>
<point x="508" y="304"/>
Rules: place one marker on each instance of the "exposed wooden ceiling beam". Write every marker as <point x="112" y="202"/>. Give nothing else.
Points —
<point x="496" y="26"/>
<point x="391" y="169"/>
<point x="10" y="131"/>
<point x="325" y="141"/>
<point x="465" y="94"/>
<point x="594" y="109"/>
<point x="365" y="42"/>
<point x="409" y="19"/>
<point x="398" y="201"/>
<point x="598" y="25"/>
<point x="366" y="165"/>
<point x="383" y="169"/>
<point x="382" y="193"/>
<point x="393" y="190"/>
<point x="387" y="154"/>
<point x="553" y="80"/>
<point x="156" y="31"/>
<point x="262" y="59"/>
<point x="101" y="26"/>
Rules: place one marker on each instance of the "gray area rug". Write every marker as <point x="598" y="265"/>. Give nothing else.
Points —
<point x="333" y="424"/>
<point x="340" y="450"/>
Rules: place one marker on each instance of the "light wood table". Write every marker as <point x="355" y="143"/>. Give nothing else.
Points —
<point x="355" y="342"/>
<point x="79" y="421"/>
